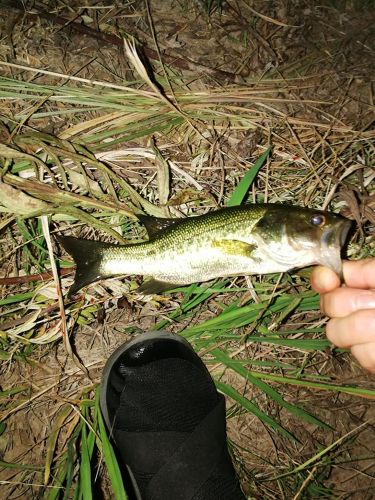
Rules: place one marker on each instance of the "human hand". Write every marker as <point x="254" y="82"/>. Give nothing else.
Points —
<point x="351" y="308"/>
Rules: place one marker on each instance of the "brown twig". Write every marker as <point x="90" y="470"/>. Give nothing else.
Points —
<point x="12" y="323"/>
<point x="47" y="276"/>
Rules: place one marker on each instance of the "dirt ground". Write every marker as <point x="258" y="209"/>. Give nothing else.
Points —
<point x="330" y="42"/>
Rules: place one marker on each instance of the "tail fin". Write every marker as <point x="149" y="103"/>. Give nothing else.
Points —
<point x="87" y="255"/>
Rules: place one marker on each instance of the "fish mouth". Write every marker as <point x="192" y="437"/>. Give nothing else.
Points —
<point x="346" y="226"/>
<point x="333" y="239"/>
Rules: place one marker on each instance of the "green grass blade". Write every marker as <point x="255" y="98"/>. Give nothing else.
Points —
<point x="319" y="455"/>
<point x="357" y="391"/>
<point x="69" y="469"/>
<point x="10" y="465"/>
<point x="110" y="460"/>
<point x="252" y="408"/>
<point x="232" y="318"/>
<point x="52" y="439"/>
<point x="11" y="392"/>
<point x="306" y="344"/>
<point x="85" y="485"/>
<point x="20" y="297"/>
<point x="63" y="476"/>
<point x="265" y="388"/>
<point x="194" y="295"/>
<point x="57" y="487"/>
<point x="244" y="185"/>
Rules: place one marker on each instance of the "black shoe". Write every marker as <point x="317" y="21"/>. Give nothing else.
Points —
<point x="167" y="421"/>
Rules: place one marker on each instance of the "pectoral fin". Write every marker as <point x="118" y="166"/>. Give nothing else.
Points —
<point x="236" y="247"/>
<point x="151" y="286"/>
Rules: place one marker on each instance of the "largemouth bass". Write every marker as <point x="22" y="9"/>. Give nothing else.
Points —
<point x="243" y="240"/>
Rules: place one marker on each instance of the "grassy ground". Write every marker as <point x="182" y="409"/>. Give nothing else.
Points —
<point x="173" y="109"/>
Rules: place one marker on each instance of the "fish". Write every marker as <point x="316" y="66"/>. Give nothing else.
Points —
<point x="232" y="241"/>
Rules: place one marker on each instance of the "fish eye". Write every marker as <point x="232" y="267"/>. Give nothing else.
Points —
<point x="318" y="220"/>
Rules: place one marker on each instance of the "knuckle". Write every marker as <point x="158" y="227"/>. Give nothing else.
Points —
<point x="333" y="333"/>
<point x="330" y="304"/>
<point x="333" y="304"/>
<point x="363" y="321"/>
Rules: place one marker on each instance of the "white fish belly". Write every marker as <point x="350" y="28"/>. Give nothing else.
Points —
<point x="204" y="260"/>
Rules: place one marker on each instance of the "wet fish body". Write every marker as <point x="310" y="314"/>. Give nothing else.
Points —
<point x="243" y="240"/>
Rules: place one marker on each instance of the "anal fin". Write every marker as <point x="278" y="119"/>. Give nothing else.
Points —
<point x="151" y="286"/>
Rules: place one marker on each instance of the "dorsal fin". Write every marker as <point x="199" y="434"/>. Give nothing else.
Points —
<point x="154" y="225"/>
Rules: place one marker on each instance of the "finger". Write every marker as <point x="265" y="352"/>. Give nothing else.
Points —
<point x="359" y="273"/>
<point x="365" y="355"/>
<point x="324" y="279"/>
<point x="343" y="301"/>
<point x="357" y="328"/>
